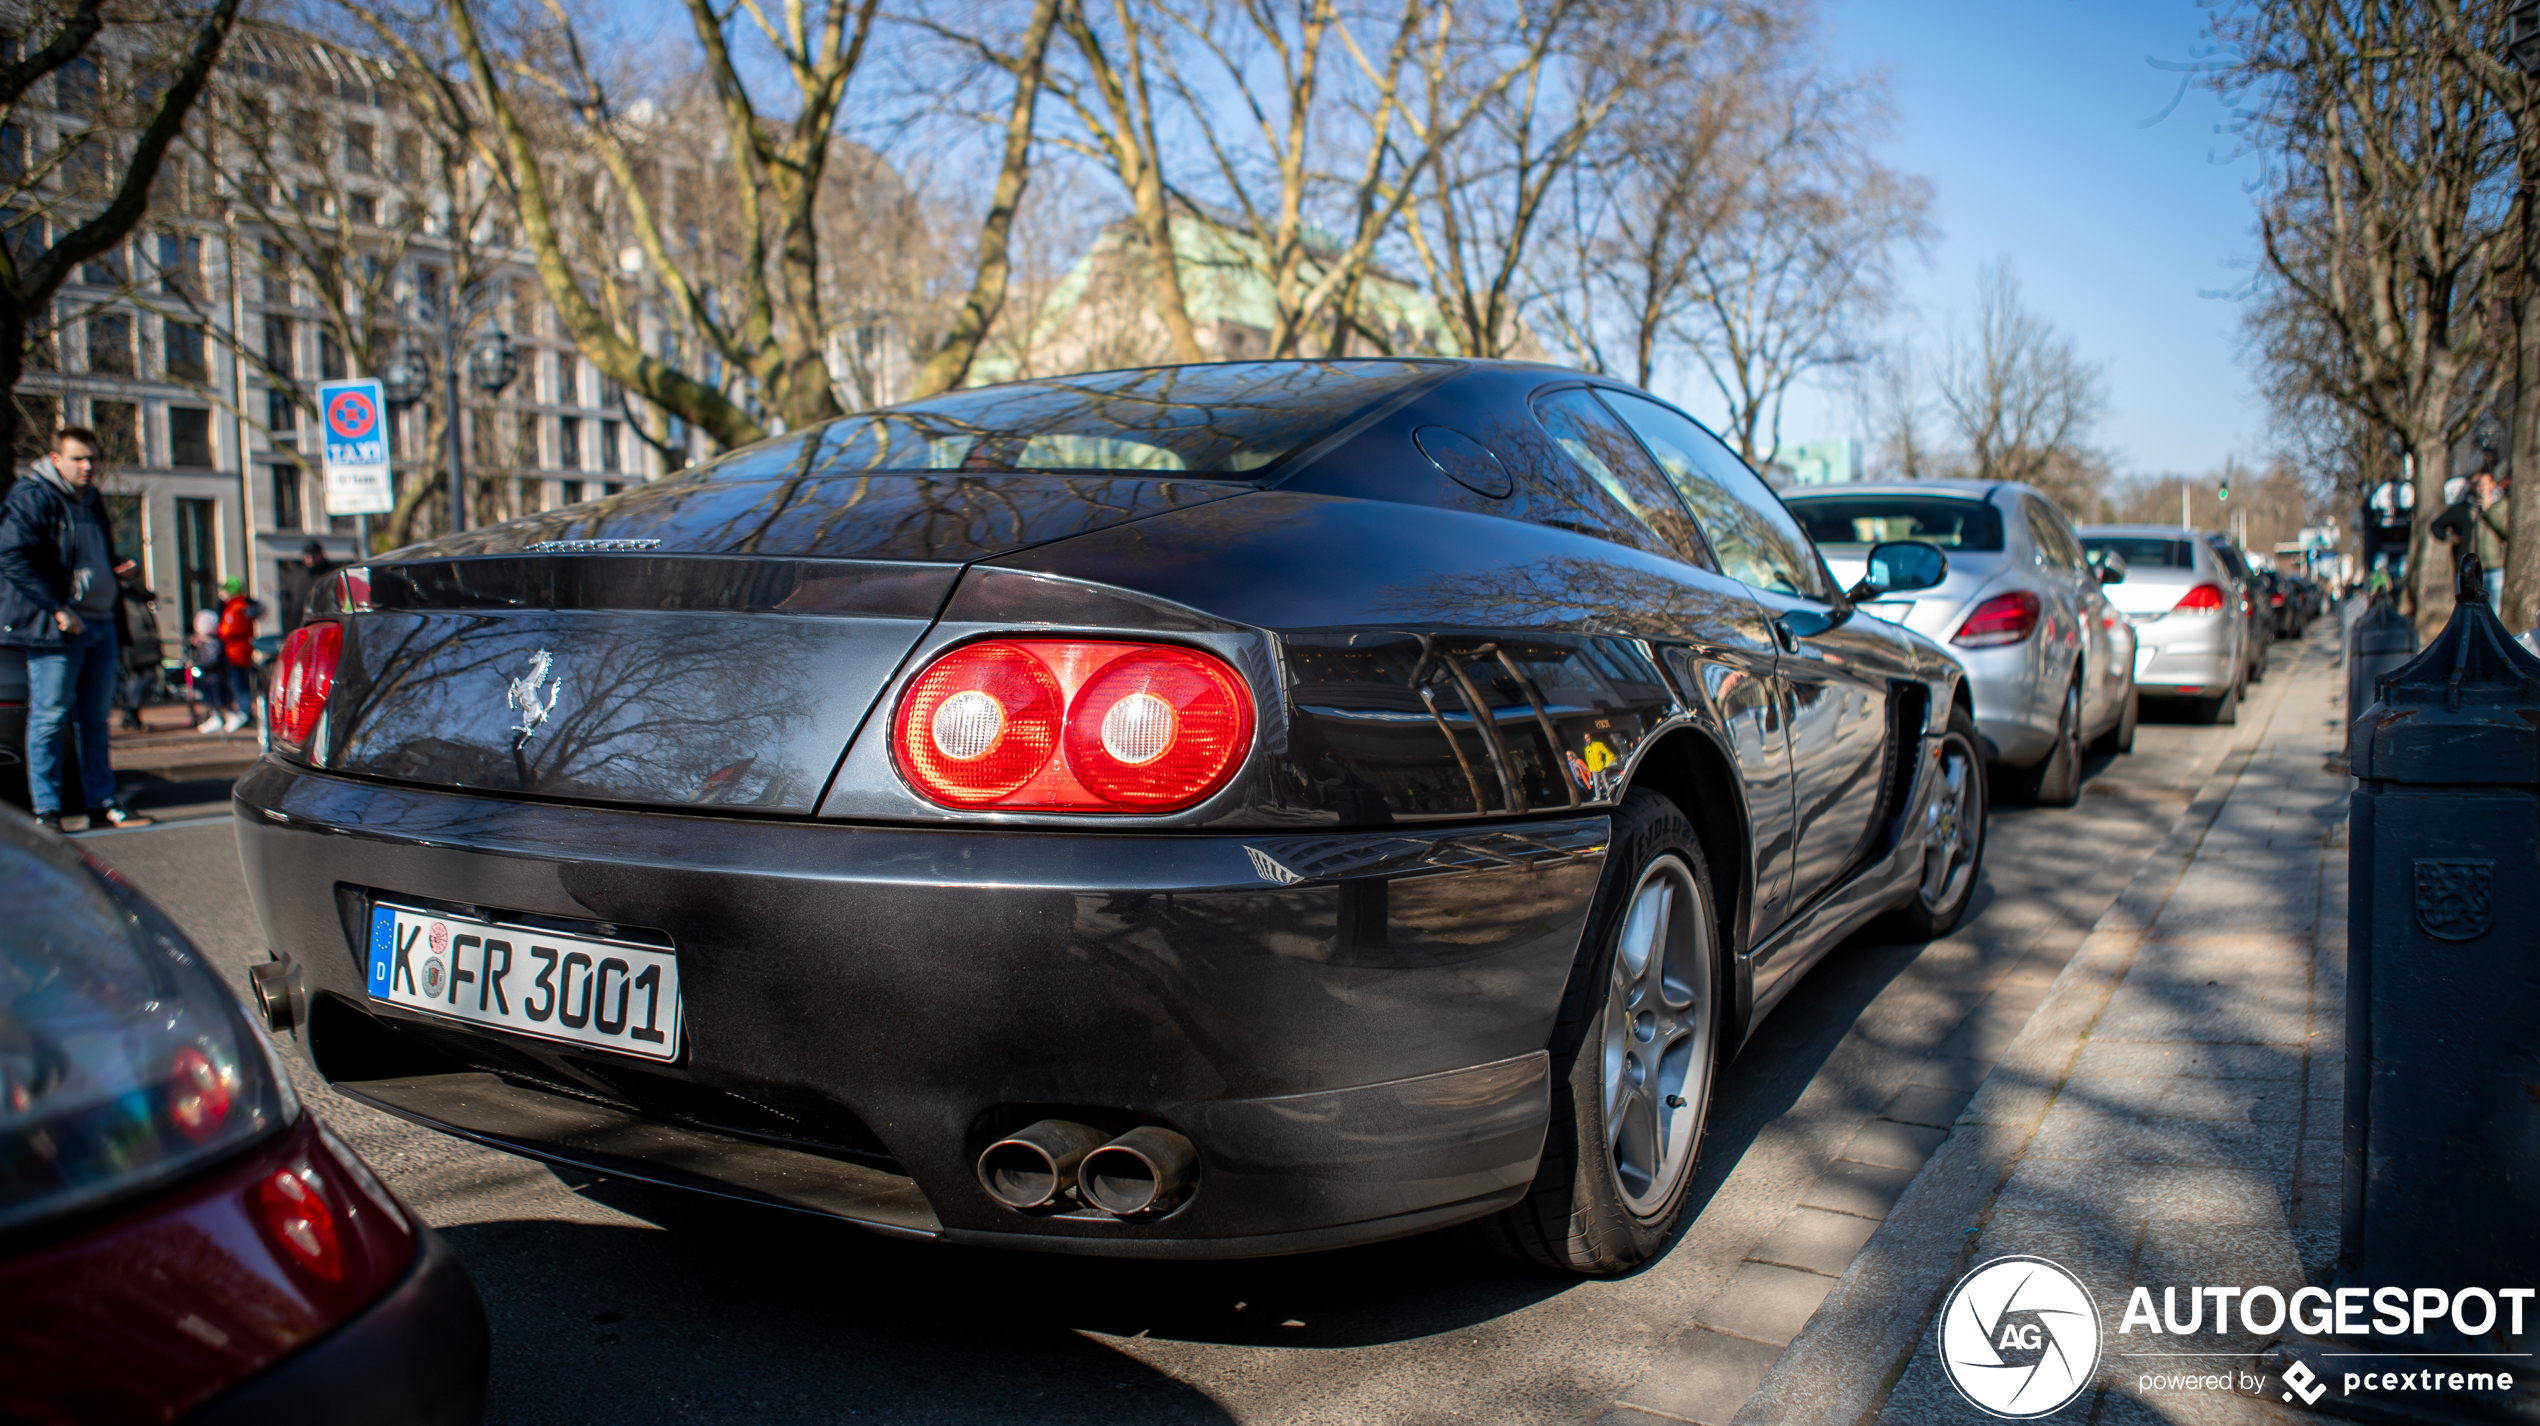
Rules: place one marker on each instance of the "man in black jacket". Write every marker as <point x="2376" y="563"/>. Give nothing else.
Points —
<point x="298" y="580"/>
<point x="57" y="601"/>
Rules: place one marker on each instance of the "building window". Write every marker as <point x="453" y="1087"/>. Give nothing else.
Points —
<point x="409" y="155"/>
<point x="280" y="347"/>
<point x="190" y="438"/>
<point x="282" y="413"/>
<point x="110" y="344"/>
<point x="84" y="168"/>
<point x="362" y="208"/>
<point x="569" y="443"/>
<point x="124" y="511"/>
<point x="185" y="353"/>
<point x="104" y="270"/>
<point x="276" y="281"/>
<point x="75" y="88"/>
<point x="38" y="418"/>
<point x="118" y="426"/>
<point x="12" y="151"/>
<point x="197" y="558"/>
<point x="568" y="380"/>
<point x="612" y="446"/>
<point x="286" y="496"/>
<point x="330" y="357"/>
<point x="525" y="451"/>
<point x="573" y="492"/>
<point x="359" y="142"/>
<point x="181" y="266"/>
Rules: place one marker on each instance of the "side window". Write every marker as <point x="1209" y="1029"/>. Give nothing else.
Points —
<point x="1621" y="488"/>
<point x="2067" y="544"/>
<point x="1759" y="542"/>
<point x="2048" y="551"/>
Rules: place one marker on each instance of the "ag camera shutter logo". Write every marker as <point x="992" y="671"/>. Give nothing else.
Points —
<point x="2019" y="1337"/>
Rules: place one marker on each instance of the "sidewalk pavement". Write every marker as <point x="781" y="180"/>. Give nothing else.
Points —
<point x="2170" y="1115"/>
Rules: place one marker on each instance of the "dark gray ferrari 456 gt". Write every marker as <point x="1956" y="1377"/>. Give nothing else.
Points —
<point x="1187" y="812"/>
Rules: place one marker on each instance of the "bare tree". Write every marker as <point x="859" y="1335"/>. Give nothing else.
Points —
<point x="2381" y="215"/>
<point x="2017" y="397"/>
<point x="129" y="84"/>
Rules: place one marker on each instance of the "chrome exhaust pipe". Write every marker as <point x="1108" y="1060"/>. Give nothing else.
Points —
<point x="1033" y="1168"/>
<point x="1143" y="1171"/>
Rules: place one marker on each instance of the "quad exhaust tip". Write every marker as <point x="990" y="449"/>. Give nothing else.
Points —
<point x="1143" y="1171"/>
<point x="1146" y="1170"/>
<point x="1035" y="1168"/>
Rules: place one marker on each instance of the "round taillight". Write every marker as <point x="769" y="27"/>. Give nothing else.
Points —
<point x="1160" y="727"/>
<point x="978" y="724"/>
<point x="199" y="1092"/>
<point x="300" y="1221"/>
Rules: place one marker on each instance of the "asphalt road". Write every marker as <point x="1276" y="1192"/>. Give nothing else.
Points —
<point x="614" y="1301"/>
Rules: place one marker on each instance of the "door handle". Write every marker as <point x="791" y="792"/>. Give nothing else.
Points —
<point x="1783" y="636"/>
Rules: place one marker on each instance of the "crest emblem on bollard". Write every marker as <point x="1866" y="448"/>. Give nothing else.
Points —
<point x="2455" y="897"/>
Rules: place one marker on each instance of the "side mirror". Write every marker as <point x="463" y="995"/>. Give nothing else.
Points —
<point x="1895" y="566"/>
<point x="2111" y="566"/>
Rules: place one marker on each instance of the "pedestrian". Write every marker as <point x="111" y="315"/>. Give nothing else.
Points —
<point x="207" y="670"/>
<point x="57" y="601"/>
<point x="238" y="616"/>
<point x="137" y="634"/>
<point x="299" y="580"/>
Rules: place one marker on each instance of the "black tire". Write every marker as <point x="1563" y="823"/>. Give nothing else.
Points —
<point x="2220" y="711"/>
<point x="1935" y="911"/>
<point x="1576" y="1217"/>
<point x="2055" y="781"/>
<point x="2258" y="665"/>
<point x="2120" y="739"/>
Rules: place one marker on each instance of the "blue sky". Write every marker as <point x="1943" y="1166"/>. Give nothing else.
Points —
<point x="2029" y="118"/>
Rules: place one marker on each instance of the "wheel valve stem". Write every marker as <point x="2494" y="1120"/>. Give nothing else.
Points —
<point x="1675" y="1101"/>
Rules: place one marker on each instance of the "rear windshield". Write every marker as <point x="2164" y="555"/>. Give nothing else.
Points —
<point x="2143" y="551"/>
<point x="1867" y="519"/>
<point x="1226" y="421"/>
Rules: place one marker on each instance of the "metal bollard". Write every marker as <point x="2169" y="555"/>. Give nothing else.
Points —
<point x="2382" y="639"/>
<point x="2442" y="1147"/>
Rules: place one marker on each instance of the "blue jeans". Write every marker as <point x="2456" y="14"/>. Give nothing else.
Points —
<point x="73" y="685"/>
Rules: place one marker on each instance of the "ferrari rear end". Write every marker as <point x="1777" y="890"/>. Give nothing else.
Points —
<point x="748" y="833"/>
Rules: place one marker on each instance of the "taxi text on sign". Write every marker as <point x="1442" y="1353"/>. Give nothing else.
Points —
<point x="354" y="417"/>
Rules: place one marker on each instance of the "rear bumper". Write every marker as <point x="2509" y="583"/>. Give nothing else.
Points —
<point x="1350" y="1027"/>
<point x="2201" y="669"/>
<point x="2003" y="683"/>
<point x="416" y="1357"/>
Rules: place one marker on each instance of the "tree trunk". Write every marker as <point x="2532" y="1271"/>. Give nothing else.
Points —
<point x="12" y="366"/>
<point x="1164" y="269"/>
<point x="2430" y="563"/>
<point x="2521" y="601"/>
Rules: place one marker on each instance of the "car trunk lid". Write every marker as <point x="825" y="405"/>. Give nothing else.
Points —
<point x="1933" y="612"/>
<point x="678" y="648"/>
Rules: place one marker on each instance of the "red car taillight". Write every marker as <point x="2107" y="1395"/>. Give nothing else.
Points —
<point x="1053" y="725"/>
<point x="2003" y="619"/>
<point x="302" y="678"/>
<point x="2203" y="599"/>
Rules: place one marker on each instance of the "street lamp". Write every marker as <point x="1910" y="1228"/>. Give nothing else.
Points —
<point x="493" y="363"/>
<point x="407" y="378"/>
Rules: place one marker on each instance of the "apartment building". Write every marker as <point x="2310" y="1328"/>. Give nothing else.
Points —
<point x="191" y="348"/>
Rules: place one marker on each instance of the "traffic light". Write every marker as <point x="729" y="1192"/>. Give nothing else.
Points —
<point x="2225" y="492"/>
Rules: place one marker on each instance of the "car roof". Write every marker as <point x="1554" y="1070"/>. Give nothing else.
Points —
<point x="1956" y="489"/>
<point x="2158" y="532"/>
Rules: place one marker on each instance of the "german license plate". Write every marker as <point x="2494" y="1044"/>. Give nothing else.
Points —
<point x="609" y="994"/>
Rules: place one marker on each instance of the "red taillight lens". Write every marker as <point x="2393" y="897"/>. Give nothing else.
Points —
<point x="2203" y="599"/>
<point x="302" y="677"/>
<point x="1054" y="725"/>
<point x="199" y="1093"/>
<point x="301" y="1222"/>
<point x="978" y="724"/>
<point x="2003" y="619"/>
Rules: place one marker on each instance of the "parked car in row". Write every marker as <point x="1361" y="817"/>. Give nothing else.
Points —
<point x="179" y="1236"/>
<point x="2192" y="624"/>
<point x="2050" y="659"/>
<point x="2254" y="606"/>
<point x="1190" y="812"/>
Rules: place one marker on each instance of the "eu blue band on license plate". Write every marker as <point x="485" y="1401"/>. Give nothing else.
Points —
<point x="607" y="994"/>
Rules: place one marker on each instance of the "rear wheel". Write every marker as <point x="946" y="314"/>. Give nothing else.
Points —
<point x="1632" y="1055"/>
<point x="2056" y="780"/>
<point x="2221" y="711"/>
<point x="1952" y="830"/>
<point x="2120" y="739"/>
